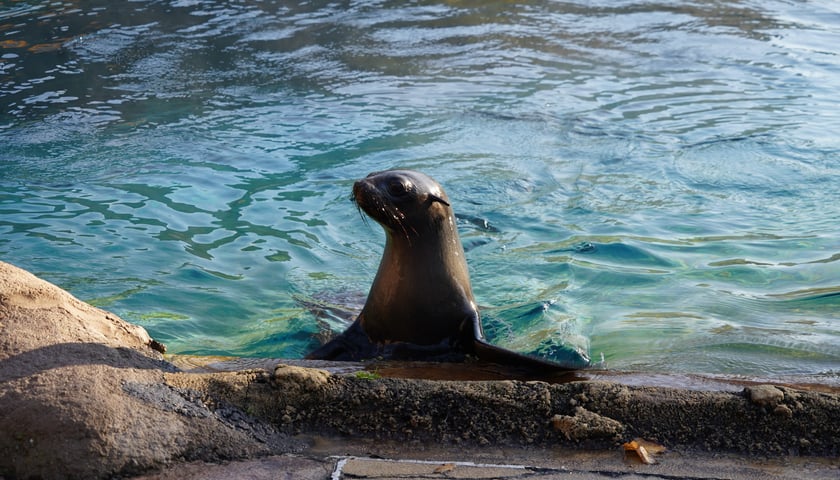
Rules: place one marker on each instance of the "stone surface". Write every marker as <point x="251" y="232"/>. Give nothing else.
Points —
<point x="375" y="468"/>
<point x="275" y="467"/>
<point x="512" y="464"/>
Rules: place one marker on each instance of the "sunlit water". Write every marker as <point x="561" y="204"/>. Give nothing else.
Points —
<point x="656" y="181"/>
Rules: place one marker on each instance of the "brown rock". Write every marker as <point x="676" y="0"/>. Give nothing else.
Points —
<point x="765" y="395"/>
<point x="37" y="314"/>
<point x="586" y="425"/>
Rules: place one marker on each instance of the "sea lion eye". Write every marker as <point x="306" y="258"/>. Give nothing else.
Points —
<point x="399" y="188"/>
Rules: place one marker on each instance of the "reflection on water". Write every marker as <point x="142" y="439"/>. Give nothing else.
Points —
<point x="657" y="179"/>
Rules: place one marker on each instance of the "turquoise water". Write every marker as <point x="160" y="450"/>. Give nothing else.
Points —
<point x="657" y="181"/>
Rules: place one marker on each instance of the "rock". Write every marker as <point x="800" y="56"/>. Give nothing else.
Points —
<point x="38" y="314"/>
<point x="300" y="380"/>
<point x="586" y="425"/>
<point x="783" y="411"/>
<point x="83" y="394"/>
<point x="764" y="395"/>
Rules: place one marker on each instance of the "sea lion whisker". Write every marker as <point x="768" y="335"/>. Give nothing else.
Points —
<point x="399" y="218"/>
<point x="359" y="209"/>
<point x="362" y="214"/>
<point x="434" y="198"/>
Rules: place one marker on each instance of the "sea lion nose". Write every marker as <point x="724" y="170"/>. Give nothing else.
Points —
<point x="363" y="183"/>
<point x="361" y="188"/>
<point x="357" y="188"/>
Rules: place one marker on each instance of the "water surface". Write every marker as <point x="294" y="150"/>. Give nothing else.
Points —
<point x="656" y="181"/>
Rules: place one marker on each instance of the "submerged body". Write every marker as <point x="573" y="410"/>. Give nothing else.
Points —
<point x="420" y="305"/>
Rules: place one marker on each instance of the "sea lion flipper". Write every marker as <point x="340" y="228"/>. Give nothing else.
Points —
<point x="351" y="345"/>
<point x="354" y="345"/>
<point x="488" y="352"/>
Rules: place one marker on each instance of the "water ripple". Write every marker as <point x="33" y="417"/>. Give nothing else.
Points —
<point x="662" y="174"/>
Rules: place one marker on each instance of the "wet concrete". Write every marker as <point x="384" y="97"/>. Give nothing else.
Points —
<point x="486" y="372"/>
<point x="332" y="459"/>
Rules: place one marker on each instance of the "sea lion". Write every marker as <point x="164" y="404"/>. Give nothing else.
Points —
<point x="421" y="304"/>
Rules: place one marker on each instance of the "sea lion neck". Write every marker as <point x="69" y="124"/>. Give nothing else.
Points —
<point x="432" y="250"/>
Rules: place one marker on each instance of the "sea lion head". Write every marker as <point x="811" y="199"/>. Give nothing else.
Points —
<point x="404" y="202"/>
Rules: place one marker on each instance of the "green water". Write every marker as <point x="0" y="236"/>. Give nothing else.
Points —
<point x="656" y="181"/>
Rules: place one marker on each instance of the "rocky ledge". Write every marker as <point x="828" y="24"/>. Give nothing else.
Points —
<point x="84" y="394"/>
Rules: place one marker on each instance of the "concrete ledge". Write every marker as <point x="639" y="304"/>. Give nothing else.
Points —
<point x="757" y="420"/>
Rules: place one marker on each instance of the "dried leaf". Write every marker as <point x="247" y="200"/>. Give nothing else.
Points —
<point x="652" y="447"/>
<point x="446" y="467"/>
<point x="641" y="452"/>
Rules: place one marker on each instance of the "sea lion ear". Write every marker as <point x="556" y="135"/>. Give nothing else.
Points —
<point x="434" y="198"/>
